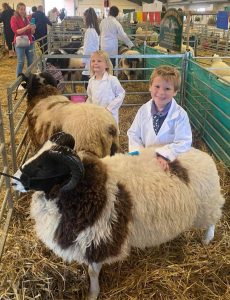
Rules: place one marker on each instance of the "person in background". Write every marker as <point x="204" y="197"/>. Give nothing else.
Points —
<point x="21" y="26"/>
<point x="104" y="89"/>
<point x="163" y="12"/>
<point x="41" y="22"/>
<point x="161" y="121"/>
<point x="7" y="13"/>
<point x="91" y="41"/>
<point x="33" y="9"/>
<point x="62" y="14"/>
<point x="53" y="15"/>
<point x="111" y="32"/>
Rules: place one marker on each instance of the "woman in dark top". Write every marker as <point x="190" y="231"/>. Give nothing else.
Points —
<point x="5" y="17"/>
<point x="41" y="22"/>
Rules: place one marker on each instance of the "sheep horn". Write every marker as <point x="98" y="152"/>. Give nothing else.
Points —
<point x="25" y="79"/>
<point x="63" y="139"/>
<point x="68" y="157"/>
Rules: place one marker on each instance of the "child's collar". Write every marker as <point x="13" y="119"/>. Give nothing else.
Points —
<point x="154" y="109"/>
<point x="104" y="77"/>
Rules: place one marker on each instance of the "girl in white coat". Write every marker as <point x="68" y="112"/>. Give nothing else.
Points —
<point x="161" y="121"/>
<point x="104" y="89"/>
<point x="91" y="41"/>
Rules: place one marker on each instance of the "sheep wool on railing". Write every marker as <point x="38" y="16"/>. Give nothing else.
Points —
<point x="94" y="210"/>
<point x="48" y="112"/>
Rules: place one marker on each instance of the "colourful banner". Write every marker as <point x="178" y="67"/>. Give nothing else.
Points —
<point x="139" y="16"/>
<point x="144" y="16"/>
<point x="222" y="19"/>
<point x="154" y="17"/>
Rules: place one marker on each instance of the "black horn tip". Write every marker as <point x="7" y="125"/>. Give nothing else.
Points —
<point x="63" y="139"/>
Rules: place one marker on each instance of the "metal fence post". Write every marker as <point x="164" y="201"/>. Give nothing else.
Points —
<point x="184" y="73"/>
<point x="12" y="134"/>
<point x="6" y="208"/>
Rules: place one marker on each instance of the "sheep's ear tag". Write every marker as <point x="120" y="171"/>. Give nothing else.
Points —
<point x="133" y="153"/>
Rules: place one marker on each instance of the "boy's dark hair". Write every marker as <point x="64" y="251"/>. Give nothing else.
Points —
<point x="34" y="8"/>
<point x="114" y="11"/>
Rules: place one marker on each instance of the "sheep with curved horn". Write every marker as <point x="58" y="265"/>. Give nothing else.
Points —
<point x="94" y="210"/>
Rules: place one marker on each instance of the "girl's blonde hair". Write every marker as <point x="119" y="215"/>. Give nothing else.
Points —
<point x="167" y="73"/>
<point x="17" y="8"/>
<point x="105" y="56"/>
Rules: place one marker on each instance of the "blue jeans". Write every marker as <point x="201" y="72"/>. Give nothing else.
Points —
<point x="21" y="53"/>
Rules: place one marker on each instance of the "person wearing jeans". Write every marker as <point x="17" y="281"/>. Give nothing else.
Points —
<point x="21" y="53"/>
<point x="21" y="26"/>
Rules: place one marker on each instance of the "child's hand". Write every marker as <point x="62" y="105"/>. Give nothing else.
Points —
<point x="163" y="163"/>
<point x="82" y="65"/>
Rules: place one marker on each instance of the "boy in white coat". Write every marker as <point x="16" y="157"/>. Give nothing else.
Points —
<point x="161" y="121"/>
<point x="104" y="89"/>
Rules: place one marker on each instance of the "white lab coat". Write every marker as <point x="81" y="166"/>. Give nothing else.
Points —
<point x="106" y="92"/>
<point x="175" y="133"/>
<point x="91" y="44"/>
<point x="111" y="30"/>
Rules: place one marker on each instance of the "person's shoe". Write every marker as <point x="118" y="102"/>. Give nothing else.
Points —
<point x="11" y="54"/>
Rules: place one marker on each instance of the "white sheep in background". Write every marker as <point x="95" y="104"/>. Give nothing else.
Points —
<point x="151" y="37"/>
<point x="184" y="49"/>
<point x="226" y="78"/>
<point x="48" y="112"/>
<point x="219" y="67"/>
<point x="166" y="51"/>
<point x="130" y="66"/>
<point x="94" y="210"/>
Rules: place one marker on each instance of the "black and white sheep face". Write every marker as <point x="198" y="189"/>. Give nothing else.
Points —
<point x="43" y="78"/>
<point x="54" y="164"/>
<point x="129" y="65"/>
<point x="41" y="174"/>
<point x="36" y="80"/>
